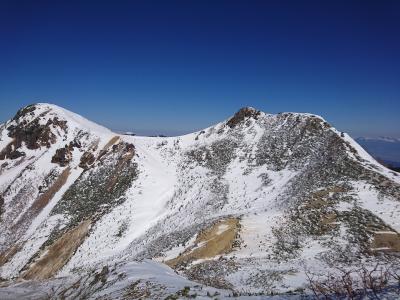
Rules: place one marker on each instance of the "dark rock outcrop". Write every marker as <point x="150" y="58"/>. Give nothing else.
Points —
<point x="24" y="112"/>
<point x="130" y="148"/>
<point x="87" y="159"/>
<point x="62" y="157"/>
<point x="9" y="152"/>
<point x="32" y="134"/>
<point x="241" y="115"/>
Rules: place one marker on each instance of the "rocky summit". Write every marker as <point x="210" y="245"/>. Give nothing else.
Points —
<point x="256" y="205"/>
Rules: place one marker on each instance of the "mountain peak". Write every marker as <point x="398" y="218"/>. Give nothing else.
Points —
<point x="41" y="125"/>
<point x="242" y="114"/>
<point x="43" y="112"/>
<point x="35" y="109"/>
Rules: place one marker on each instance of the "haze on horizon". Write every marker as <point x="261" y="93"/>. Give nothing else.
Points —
<point x="179" y="66"/>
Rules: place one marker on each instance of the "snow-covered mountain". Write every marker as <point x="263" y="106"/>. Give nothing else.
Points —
<point x="253" y="204"/>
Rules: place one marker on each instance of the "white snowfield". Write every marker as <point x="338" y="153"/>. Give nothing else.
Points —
<point x="185" y="182"/>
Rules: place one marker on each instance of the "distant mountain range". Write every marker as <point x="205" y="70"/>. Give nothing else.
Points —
<point x="384" y="149"/>
<point x="254" y="205"/>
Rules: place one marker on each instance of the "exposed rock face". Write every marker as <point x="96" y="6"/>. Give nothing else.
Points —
<point x="244" y="205"/>
<point x="63" y="156"/>
<point x="32" y="133"/>
<point x="9" y="152"/>
<point x="87" y="159"/>
<point x="24" y="112"/>
<point x="241" y="115"/>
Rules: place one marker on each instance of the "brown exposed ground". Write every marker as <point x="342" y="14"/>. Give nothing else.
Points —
<point x="111" y="142"/>
<point x="8" y="254"/>
<point x="25" y="220"/>
<point x="58" y="254"/>
<point x="328" y="218"/>
<point x="42" y="200"/>
<point x="215" y="240"/>
<point x="45" y="198"/>
<point x="386" y="241"/>
<point x="318" y="198"/>
<point x="334" y="189"/>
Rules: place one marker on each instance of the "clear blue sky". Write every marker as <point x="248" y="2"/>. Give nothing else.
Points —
<point x="176" y="66"/>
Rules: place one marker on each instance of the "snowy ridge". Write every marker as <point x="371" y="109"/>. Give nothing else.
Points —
<point x="74" y="120"/>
